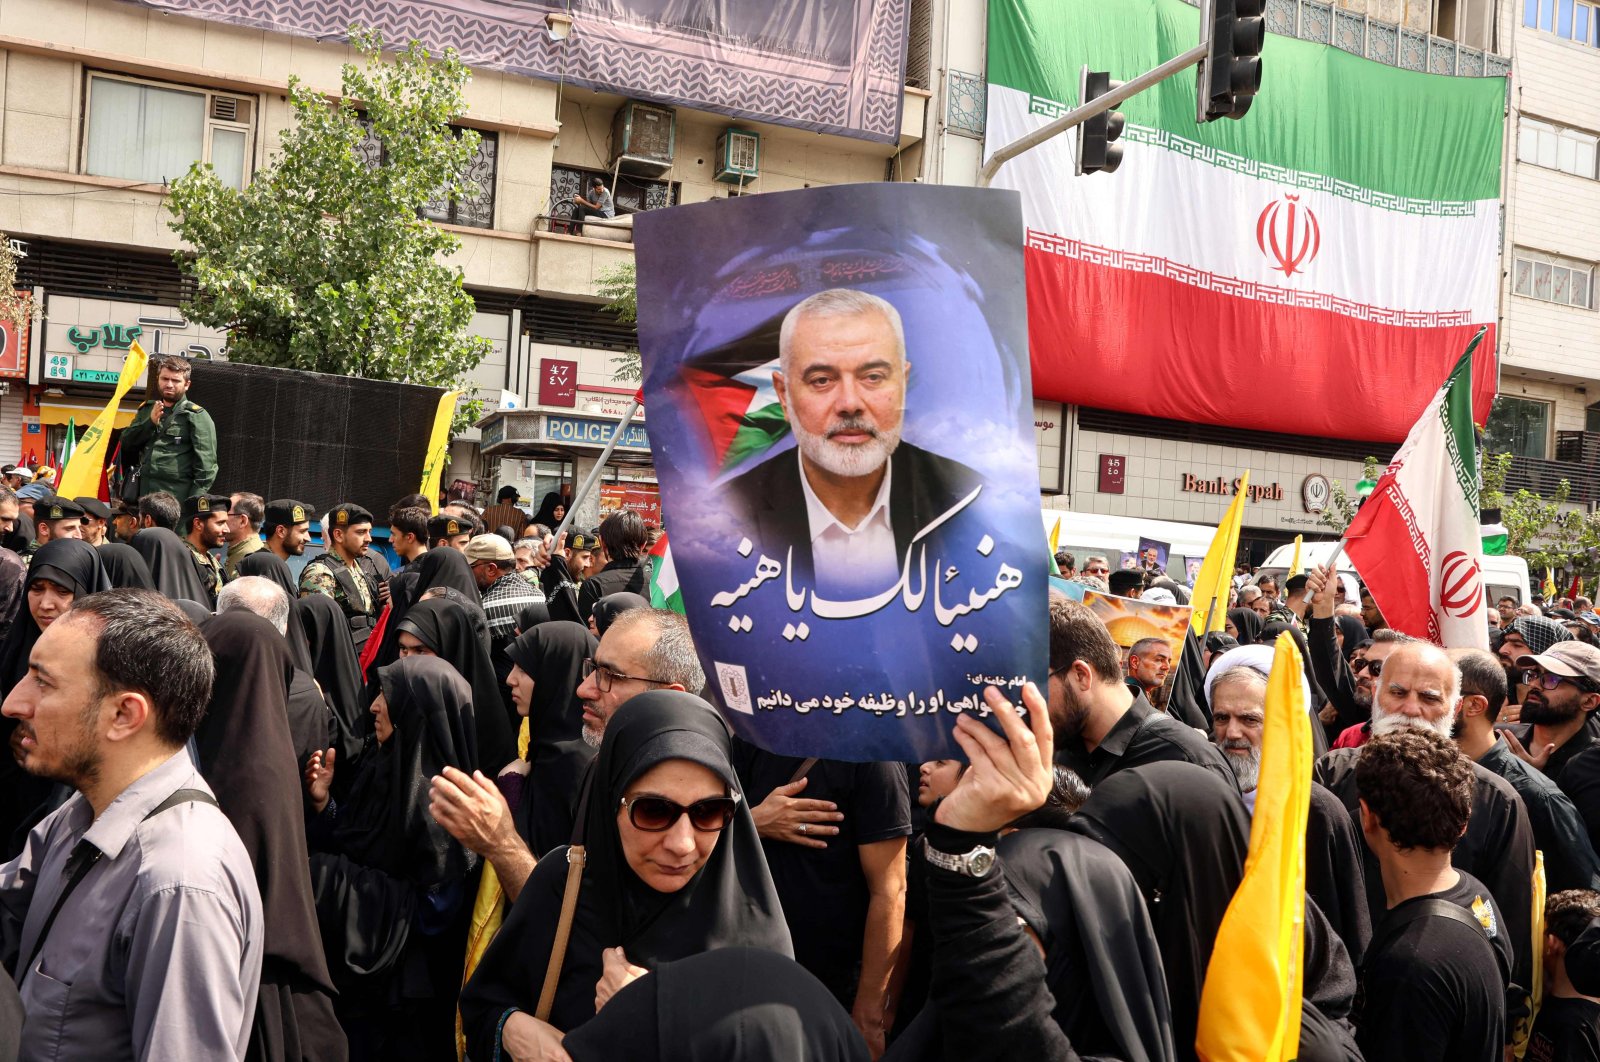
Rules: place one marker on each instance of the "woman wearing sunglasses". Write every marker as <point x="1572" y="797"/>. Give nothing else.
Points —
<point x="673" y="868"/>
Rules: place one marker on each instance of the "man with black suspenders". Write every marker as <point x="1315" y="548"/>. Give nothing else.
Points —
<point x="131" y="922"/>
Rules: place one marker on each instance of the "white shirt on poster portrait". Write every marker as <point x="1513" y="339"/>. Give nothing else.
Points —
<point x="850" y="560"/>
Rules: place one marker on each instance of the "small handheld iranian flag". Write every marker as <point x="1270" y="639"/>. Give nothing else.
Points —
<point x="664" y="592"/>
<point x="1416" y="541"/>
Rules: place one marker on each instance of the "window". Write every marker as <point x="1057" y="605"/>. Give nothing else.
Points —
<point x="1550" y="278"/>
<point x="1557" y="147"/>
<point x="631" y="194"/>
<point x="475" y="211"/>
<point x="1518" y="426"/>
<point x="1591" y="418"/>
<point x="153" y="133"/>
<point x="1573" y="20"/>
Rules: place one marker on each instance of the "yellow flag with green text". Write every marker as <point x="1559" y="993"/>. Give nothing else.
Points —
<point x="1250" y="1005"/>
<point x="1294" y="565"/>
<point x="438" y="448"/>
<point x="81" y="477"/>
<point x="1210" y="599"/>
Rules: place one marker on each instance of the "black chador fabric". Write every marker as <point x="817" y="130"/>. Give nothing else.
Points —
<point x="1248" y="623"/>
<point x="547" y="510"/>
<point x="1355" y="632"/>
<point x="171" y="564"/>
<point x="334" y="665"/>
<point x="1186" y="702"/>
<point x="245" y="752"/>
<point x="446" y="629"/>
<point x="1101" y="961"/>
<point x="730" y="902"/>
<point x="1335" y="873"/>
<point x="552" y="654"/>
<point x="385" y="824"/>
<point x="733" y="1003"/>
<point x="439" y="569"/>
<point x="531" y="616"/>
<point x="265" y="564"/>
<point x="124" y="567"/>
<point x="611" y="606"/>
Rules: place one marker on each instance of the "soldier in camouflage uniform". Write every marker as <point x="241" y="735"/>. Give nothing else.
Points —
<point x="339" y="573"/>
<point x="205" y="525"/>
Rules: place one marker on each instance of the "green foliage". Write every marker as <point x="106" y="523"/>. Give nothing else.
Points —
<point x="323" y="262"/>
<point x="17" y="308"/>
<point x="620" y="286"/>
<point x="1537" y="528"/>
<point x="1342" y="504"/>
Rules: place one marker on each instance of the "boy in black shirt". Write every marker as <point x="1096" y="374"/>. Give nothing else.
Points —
<point x="1434" y="980"/>
<point x="1568" y="1026"/>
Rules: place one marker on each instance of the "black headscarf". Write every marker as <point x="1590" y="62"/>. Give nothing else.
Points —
<point x="124" y="567"/>
<point x="1248" y="623"/>
<point x="1101" y="960"/>
<point x="71" y="564"/>
<point x="384" y="824"/>
<point x="335" y="667"/>
<point x="1355" y="632"/>
<point x="1184" y="833"/>
<point x="547" y="510"/>
<point x="531" y="616"/>
<point x="244" y="750"/>
<point x="171" y="564"/>
<point x="446" y="567"/>
<point x="552" y="654"/>
<point x="446" y="628"/>
<point x="611" y="606"/>
<point x="740" y="1004"/>
<point x="12" y="574"/>
<point x="730" y="902"/>
<point x="266" y="564"/>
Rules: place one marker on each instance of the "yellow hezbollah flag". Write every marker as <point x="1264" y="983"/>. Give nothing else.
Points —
<point x="1294" y="565"/>
<point x="1055" y="538"/>
<point x="1210" y="599"/>
<point x="81" y="477"/>
<point x="1250" y="1005"/>
<point x="438" y="448"/>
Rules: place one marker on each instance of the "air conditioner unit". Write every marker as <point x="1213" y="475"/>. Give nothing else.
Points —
<point x="738" y="156"/>
<point x="643" y="138"/>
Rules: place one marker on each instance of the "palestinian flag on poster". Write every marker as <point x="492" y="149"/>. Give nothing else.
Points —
<point x="664" y="590"/>
<point x="1416" y="541"/>
<point x="732" y="388"/>
<point x="1329" y="242"/>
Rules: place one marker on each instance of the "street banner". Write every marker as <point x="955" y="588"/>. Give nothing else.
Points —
<point x="842" y="427"/>
<point x="82" y="476"/>
<point x="1131" y="621"/>
<point x="1416" y="541"/>
<point x="1331" y="230"/>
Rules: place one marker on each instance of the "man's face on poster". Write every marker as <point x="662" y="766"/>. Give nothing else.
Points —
<point x="843" y="390"/>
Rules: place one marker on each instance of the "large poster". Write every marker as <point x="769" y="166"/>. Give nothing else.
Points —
<point x="834" y="66"/>
<point x="841" y="416"/>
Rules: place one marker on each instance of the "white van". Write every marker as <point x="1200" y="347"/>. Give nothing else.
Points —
<point x="1502" y="576"/>
<point x="1083" y="534"/>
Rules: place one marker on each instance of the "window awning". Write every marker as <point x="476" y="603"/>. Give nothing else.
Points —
<point x="61" y="412"/>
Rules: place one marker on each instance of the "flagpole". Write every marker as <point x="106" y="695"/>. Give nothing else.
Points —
<point x="593" y="477"/>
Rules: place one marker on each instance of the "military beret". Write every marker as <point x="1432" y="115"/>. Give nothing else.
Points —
<point x="52" y="507"/>
<point x="206" y="505"/>
<point x="286" y="512"/>
<point x="443" y="526"/>
<point x="583" y="540"/>
<point x="348" y="514"/>
<point x="94" y="507"/>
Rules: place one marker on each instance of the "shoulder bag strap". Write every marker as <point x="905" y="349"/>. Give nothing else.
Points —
<point x="558" y="950"/>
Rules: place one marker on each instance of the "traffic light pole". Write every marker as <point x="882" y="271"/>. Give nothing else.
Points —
<point x="1098" y="105"/>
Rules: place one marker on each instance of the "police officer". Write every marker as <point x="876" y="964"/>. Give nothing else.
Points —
<point x="173" y="440"/>
<point x="339" y="573"/>
<point x="53" y="518"/>
<point x="205" y="526"/>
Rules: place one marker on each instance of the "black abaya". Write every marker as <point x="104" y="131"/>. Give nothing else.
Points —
<point x="730" y="902"/>
<point x="552" y="654"/>
<point x="446" y="629"/>
<point x="265" y="564"/>
<point x="335" y="667"/>
<point x="740" y="1004"/>
<point x="124" y="567"/>
<point x="244" y="749"/>
<point x="171" y="564"/>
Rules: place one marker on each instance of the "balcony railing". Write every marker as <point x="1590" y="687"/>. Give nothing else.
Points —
<point x="1543" y="477"/>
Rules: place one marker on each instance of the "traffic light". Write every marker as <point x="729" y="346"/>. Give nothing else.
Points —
<point x="1232" y="32"/>
<point x="1096" y="153"/>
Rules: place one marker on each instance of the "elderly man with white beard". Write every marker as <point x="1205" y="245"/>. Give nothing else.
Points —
<point x="1419" y="687"/>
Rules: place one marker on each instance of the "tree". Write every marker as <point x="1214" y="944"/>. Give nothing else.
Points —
<point x="620" y="286"/>
<point x="1538" y="529"/>
<point x="17" y="308"/>
<point x="1342" y="505"/>
<point x="324" y="261"/>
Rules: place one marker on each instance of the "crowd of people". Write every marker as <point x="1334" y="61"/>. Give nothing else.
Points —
<point x="473" y="805"/>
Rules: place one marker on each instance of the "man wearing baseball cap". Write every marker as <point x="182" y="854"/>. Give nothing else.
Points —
<point x="13" y="475"/>
<point x="1563" y="684"/>
<point x="505" y="592"/>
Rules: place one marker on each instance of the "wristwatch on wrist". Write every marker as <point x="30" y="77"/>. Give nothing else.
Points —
<point x="974" y="864"/>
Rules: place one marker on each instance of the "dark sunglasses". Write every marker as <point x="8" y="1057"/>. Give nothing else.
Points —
<point x="1374" y="666"/>
<point x="654" y="814"/>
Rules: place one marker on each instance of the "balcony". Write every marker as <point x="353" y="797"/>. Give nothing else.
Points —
<point x="1577" y="461"/>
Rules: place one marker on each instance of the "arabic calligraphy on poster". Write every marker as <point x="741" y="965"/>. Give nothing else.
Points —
<point x="842" y="426"/>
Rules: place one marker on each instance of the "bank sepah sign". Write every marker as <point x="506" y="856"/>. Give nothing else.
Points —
<point x="1221" y="485"/>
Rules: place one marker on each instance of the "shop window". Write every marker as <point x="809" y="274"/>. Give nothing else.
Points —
<point x="153" y="133"/>
<point x="1519" y="426"/>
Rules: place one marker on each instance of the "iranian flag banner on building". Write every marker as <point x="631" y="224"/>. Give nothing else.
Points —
<point x="1312" y="268"/>
<point x="1416" y="540"/>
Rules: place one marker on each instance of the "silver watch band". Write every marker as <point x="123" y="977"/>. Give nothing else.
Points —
<point x="974" y="864"/>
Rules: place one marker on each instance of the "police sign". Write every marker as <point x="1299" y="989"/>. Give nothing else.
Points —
<point x="583" y="431"/>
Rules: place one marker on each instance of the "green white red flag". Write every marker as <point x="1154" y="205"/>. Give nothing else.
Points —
<point x="664" y="592"/>
<point x="1416" y="540"/>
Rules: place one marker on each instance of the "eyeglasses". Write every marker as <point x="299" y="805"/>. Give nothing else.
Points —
<point x="605" y="676"/>
<point x="1373" y="666"/>
<point x="655" y="814"/>
<point x="1536" y="676"/>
